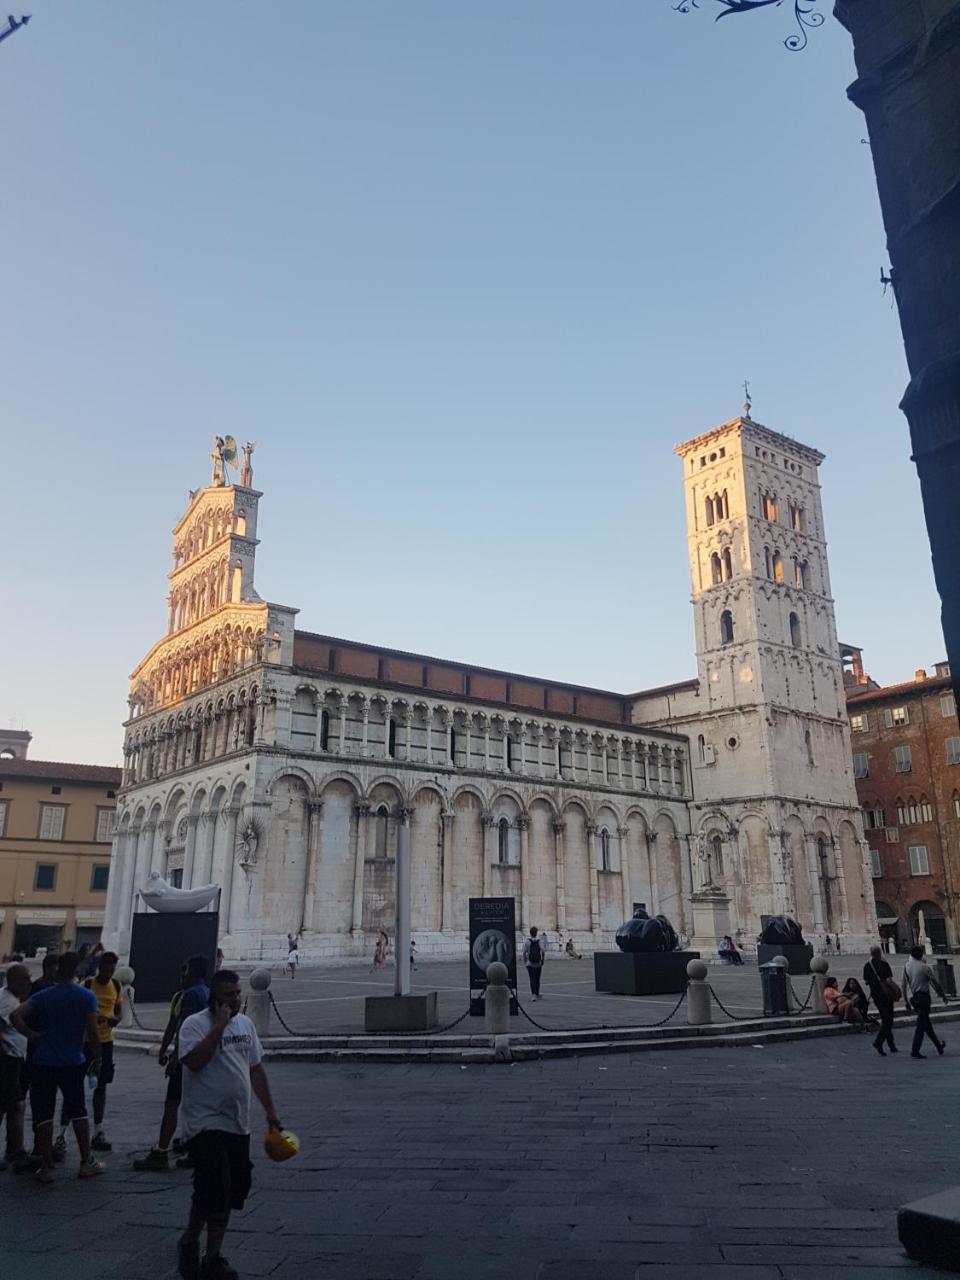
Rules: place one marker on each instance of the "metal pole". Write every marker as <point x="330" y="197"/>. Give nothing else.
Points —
<point x="402" y="958"/>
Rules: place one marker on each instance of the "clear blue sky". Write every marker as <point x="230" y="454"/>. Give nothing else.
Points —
<point x="466" y="272"/>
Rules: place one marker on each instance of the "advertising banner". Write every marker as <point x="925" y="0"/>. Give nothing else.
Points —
<point x="493" y="936"/>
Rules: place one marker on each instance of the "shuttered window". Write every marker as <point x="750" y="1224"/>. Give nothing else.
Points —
<point x="919" y="860"/>
<point x="953" y="750"/>
<point x="876" y="870"/>
<point x="861" y="768"/>
<point x="51" y="821"/>
<point x="106" y="822"/>
<point x="904" y="759"/>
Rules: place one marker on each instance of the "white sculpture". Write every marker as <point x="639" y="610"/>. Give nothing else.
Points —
<point x="164" y="897"/>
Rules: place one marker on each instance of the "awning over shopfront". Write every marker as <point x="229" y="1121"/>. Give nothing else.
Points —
<point x="41" y="916"/>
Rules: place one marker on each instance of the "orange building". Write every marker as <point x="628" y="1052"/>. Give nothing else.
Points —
<point x="56" y="828"/>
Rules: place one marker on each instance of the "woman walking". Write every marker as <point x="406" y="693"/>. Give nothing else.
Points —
<point x="878" y="976"/>
<point x="380" y="951"/>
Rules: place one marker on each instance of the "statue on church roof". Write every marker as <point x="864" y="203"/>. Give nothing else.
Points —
<point x="224" y="455"/>
<point x="246" y="469"/>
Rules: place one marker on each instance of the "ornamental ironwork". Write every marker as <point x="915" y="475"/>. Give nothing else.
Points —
<point x="806" y="15"/>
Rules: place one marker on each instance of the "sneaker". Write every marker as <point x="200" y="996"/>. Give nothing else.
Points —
<point x="22" y="1163"/>
<point x="188" y="1258"/>
<point x="92" y="1168"/>
<point x="100" y="1142"/>
<point x="154" y="1162"/>
<point x="941" y="1046"/>
<point x="59" y="1149"/>
<point x="45" y="1175"/>
<point x="217" y="1269"/>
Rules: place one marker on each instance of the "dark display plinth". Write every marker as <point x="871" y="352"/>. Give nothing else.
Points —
<point x="798" y="957"/>
<point x="632" y="973"/>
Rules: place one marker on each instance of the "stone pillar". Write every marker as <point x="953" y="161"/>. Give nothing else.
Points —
<point x="402" y="933"/>
<point x="558" y="830"/>
<point x="307" y="918"/>
<point x="523" y="823"/>
<point x="343" y="723"/>
<point x="698" y="994"/>
<point x="405" y="748"/>
<point x="366" y="728"/>
<point x="203" y="870"/>
<point x="594" y="882"/>
<point x="118" y="863"/>
<point x="813" y="875"/>
<point x="487" y="823"/>
<point x="190" y="850"/>
<point x="486" y="745"/>
<point x="362" y="812"/>
<point x="230" y="816"/>
<point x="156" y="853"/>
<point x="446" y="917"/>
<point x="624" y="833"/>
<point x="466" y="732"/>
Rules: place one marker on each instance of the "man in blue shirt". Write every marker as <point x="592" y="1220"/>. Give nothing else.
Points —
<point x="58" y="1022"/>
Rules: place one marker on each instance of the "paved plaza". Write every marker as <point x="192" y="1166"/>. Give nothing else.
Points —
<point x="774" y="1163"/>
<point x="330" y="999"/>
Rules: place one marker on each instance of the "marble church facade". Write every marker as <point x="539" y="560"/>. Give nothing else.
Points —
<point x="284" y="765"/>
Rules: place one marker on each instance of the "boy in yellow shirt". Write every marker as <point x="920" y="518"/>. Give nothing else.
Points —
<point x="109" y="997"/>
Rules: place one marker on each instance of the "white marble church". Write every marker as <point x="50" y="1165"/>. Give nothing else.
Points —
<point x="280" y="764"/>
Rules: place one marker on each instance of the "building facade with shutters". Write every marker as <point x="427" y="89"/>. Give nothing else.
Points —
<point x="906" y="758"/>
<point x="285" y="765"/>
<point x="56" y="830"/>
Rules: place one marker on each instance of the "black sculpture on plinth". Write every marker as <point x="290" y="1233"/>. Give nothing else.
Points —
<point x="647" y="934"/>
<point x="782" y="931"/>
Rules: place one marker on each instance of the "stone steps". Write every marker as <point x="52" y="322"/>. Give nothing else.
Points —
<point x="540" y="1045"/>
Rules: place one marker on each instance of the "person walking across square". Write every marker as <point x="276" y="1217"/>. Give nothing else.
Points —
<point x="109" y="997"/>
<point x="60" y="1021"/>
<point x="917" y="980"/>
<point x="879" y="978"/>
<point x="221" y="1057"/>
<point x="533" y="956"/>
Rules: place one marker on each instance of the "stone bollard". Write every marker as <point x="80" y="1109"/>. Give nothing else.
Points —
<point x="496" y="1000"/>
<point x="699" y="1011"/>
<point x="258" y="1001"/>
<point x="125" y="976"/>
<point x="819" y="967"/>
<point x="783" y="964"/>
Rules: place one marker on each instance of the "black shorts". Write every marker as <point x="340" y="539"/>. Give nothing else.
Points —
<point x="105" y="1074"/>
<point x="11" y="1069"/>
<point x="221" y="1172"/>
<point x="44" y="1083"/>
<point x="175" y="1084"/>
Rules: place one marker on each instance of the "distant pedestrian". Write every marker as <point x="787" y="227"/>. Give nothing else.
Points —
<point x="221" y="1055"/>
<point x="109" y="997"/>
<point x="191" y="998"/>
<point x="917" y="980"/>
<point x="413" y="954"/>
<point x="293" y="955"/>
<point x="64" y="1019"/>
<point x="885" y="993"/>
<point x="828" y="943"/>
<point x="838" y="944"/>
<point x="380" y="951"/>
<point x="13" y="1057"/>
<point x="533" y="955"/>
<point x="572" y="951"/>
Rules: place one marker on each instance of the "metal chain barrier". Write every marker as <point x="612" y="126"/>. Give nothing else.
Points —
<point x="316" y="1035"/>
<point x="737" y="1017"/>
<point x="136" y="1018"/>
<point x="800" y="1007"/>
<point x="603" y="1026"/>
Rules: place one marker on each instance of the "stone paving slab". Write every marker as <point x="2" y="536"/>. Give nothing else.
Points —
<point x="714" y="1165"/>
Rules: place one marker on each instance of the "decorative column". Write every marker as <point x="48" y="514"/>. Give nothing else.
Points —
<point x="487" y="823"/>
<point x="446" y="871"/>
<point x="362" y="811"/>
<point x="486" y="744"/>
<point x="140" y="866"/>
<point x="190" y="850"/>
<point x="366" y="728"/>
<point x="308" y="921"/>
<point x="587" y="758"/>
<point x="401" y="985"/>
<point x="813" y="877"/>
<point x="842" y="886"/>
<point x="624" y="834"/>
<point x="120" y="856"/>
<point x="466" y="731"/>
<point x="203" y="873"/>
<point x="406" y="746"/>
<point x="230" y="816"/>
<point x="523" y="823"/>
<point x="156" y="855"/>
<point x="343" y="722"/>
<point x="538" y="733"/>
<point x="591" y="828"/>
<point x="558" y="830"/>
<point x="522" y="753"/>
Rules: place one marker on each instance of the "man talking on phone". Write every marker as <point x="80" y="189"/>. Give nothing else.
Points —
<point x="221" y="1055"/>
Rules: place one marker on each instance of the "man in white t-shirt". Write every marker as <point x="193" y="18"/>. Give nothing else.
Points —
<point x="221" y="1055"/>
<point x="13" y="1053"/>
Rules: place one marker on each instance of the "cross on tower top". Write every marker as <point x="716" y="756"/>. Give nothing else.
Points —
<point x="748" y="404"/>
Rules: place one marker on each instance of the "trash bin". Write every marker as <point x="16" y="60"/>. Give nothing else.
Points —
<point x="946" y="976"/>
<point x="773" y="984"/>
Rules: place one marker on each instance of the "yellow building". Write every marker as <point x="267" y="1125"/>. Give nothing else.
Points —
<point x="56" y="827"/>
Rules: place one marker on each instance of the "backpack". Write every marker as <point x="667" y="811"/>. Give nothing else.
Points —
<point x="535" y="953"/>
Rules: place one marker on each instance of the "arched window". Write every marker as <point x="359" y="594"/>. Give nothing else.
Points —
<point x="808" y="742"/>
<point x="303" y="722"/>
<point x="956" y="804"/>
<point x="727" y="564"/>
<point x="324" y="730"/>
<point x="503" y="841"/>
<point x="716" y="854"/>
<point x="380" y="818"/>
<point x="777" y="567"/>
<point x="604" y="849"/>
<point x="453" y="746"/>
<point x="724" y="505"/>
<point x="804" y="579"/>
<point x="901" y="812"/>
<point x="716" y="573"/>
<point x="709" y="510"/>
<point x="769" y="561"/>
<point x="726" y="627"/>
<point x="795" y="630"/>
<point x="926" y="810"/>
<point x="510" y="753"/>
<point x="701" y="748"/>
<point x="913" y="812"/>
<point x="391" y="738"/>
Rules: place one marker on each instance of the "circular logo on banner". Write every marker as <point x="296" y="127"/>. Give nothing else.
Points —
<point x="489" y="946"/>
